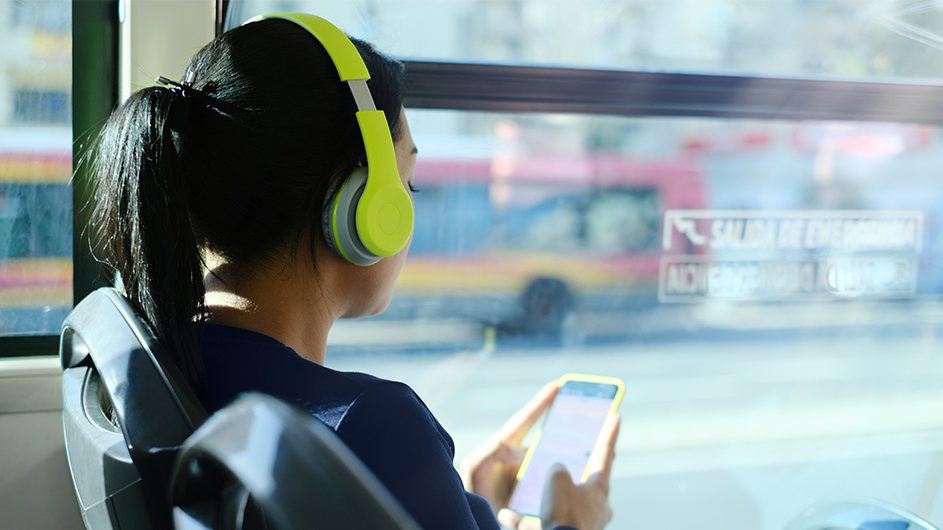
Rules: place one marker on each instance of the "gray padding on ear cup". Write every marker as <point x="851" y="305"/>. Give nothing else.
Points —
<point x="347" y="243"/>
<point x="326" y="211"/>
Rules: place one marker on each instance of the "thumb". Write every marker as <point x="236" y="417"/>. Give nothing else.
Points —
<point x="558" y="476"/>
<point x="558" y="479"/>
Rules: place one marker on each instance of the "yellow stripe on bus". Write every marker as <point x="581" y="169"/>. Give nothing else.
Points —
<point x="32" y="298"/>
<point x="35" y="282"/>
<point x="38" y="170"/>
<point x="510" y="276"/>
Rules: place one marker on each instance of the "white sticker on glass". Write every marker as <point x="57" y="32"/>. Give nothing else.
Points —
<point x="747" y="255"/>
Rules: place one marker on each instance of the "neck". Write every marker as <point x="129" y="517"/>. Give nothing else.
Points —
<point x="284" y="300"/>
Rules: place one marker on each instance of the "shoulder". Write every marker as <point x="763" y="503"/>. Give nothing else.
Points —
<point x="392" y="408"/>
<point x="393" y="432"/>
<point x="238" y="360"/>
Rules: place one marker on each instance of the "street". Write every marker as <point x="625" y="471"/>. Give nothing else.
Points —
<point x="722" y="435"/>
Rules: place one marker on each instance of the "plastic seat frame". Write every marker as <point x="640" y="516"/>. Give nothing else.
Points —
<point x="293" y="466"/>
<point x="144" y="453"/>
<point x="126" y="412"/>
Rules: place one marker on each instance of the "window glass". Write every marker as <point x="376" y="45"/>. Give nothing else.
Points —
<point x="769" y="291"/>
<point x="35" y="165"/>
<point x="843" y="38"/>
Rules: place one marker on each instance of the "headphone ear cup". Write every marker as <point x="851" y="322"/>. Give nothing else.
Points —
<point x="327" y="213"/>
<point x="339" y="219"/>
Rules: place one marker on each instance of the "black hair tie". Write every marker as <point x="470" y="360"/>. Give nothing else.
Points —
<point x="185" y="96"/>
<point x="182" y="93"/>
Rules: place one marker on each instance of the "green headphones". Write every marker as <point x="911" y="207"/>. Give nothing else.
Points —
<point x="371" y="215"/>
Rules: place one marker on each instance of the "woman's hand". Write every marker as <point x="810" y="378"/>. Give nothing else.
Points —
<point x="585" y="506"/>
<point x="490" y="471"/>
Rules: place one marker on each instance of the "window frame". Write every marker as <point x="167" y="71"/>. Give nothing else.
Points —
<point x="522" y="89"/>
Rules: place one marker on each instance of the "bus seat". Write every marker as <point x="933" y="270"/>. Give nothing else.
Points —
<point x="292" y="465"/>
<point x="126" y="411"/>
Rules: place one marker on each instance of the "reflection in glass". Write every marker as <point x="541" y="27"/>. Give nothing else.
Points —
<point x="768" y="290"/>
<point x="830" y="38"/>
<point x="759" y="213"/>
<point x="803" y="368"/>
<point x="858" y="514"/>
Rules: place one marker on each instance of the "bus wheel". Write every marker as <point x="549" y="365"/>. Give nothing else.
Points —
<point x="546" y="305"/>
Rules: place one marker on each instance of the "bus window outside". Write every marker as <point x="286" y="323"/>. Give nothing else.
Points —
<point x="768" y="290"/>
<point x="835" y="38"/>
<point x="35" y="166"/>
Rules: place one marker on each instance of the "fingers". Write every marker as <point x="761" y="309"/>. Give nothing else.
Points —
<point x="557" y="496"/>
<point x="560" y="478"/>
<point x="508" y="518"/>
<point x="512" y="456"/>
<point x="585" y="506"/>
<point x="492" y="452"/>
<point x="490" y="471"/>
<point x="478" y="461"/>
<point x="558" y="481"/>
<point x="512" y="519"/>
<point x="516" y="428"/>
<point x="606" y="514"/>
<point x="605" y="450"/>
<point x="530" y="523"/>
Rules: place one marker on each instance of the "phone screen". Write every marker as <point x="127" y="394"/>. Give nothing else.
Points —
<point x="569" y="435"/>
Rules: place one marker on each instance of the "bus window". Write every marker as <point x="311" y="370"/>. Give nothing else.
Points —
<point x="765" y="277"/>
<point x="791" y="38"/>
<point x="490" y="231"/>
<point x="750" y="278"/>
<point x="535" y="216"/>
<point x="35" y="166"/>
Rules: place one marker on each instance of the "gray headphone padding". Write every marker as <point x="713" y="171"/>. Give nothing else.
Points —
<point x="326" y="211"/>
<point x="347" y="237"/>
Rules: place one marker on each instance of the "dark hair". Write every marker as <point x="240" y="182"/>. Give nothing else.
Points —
<point x="245" y="176"/>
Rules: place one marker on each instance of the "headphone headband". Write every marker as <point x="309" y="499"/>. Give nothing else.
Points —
<point x="384" y="214"/>
<point x="346" y="58"/>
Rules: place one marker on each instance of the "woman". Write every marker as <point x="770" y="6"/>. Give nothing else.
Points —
<point x="227" y="173"/>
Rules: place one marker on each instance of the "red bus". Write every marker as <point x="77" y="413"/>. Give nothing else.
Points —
<point x="573" y="232"/>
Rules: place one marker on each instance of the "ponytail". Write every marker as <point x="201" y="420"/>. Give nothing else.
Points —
<point x="143" y="221"/>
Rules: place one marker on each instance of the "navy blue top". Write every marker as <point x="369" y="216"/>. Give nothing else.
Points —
<point x="383" y="422"/>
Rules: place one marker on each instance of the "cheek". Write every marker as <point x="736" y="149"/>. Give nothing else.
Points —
<point x="372" y="287"/>
<point x="377" y="284"/>
<point x="391" y="268"/>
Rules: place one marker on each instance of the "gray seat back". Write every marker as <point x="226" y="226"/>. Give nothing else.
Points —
<point x="126" y="411"/>
<point x="296" y="469"/>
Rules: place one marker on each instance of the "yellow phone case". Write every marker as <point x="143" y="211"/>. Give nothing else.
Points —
<point x="620" y="390"/>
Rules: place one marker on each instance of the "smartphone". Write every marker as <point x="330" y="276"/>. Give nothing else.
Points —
<point x="568" y="435"/>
